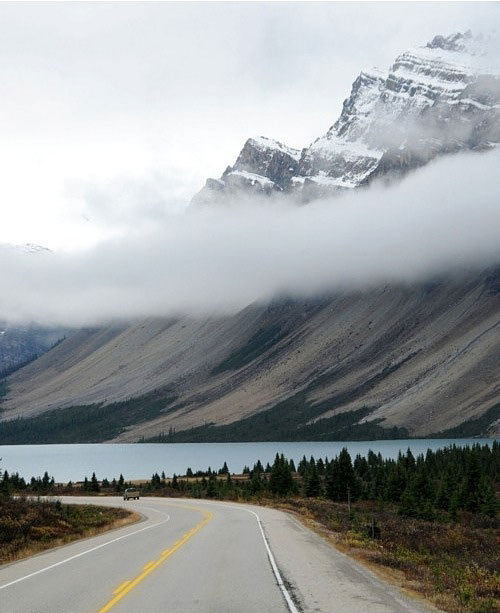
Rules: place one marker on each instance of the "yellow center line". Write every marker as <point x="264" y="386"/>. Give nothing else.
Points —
<point x="121" y="586"/>
<point x="127" y="586"/>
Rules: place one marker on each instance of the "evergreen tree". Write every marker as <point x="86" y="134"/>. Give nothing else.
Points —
<point x="212" y="486"/>
<point x="155" y="482"/>
<point x="455" y="502"/>
<point x="5" y="485"/>
<point x="320" y="465"/>
<point x="472" y="479"/>
<point x="94" y="484"/>
<point x="408" y="507"/>
<point x="45" y="481"/>
<point x="281" y="480"/>
<point x="409" y="461"/>
<point x="312" y="482"/>
<point x="396" y="482"/>
<point x="341" y="481"/>
<point x="303" y="466"/>
<point x="256" y="484"/>
<point x="487" y="501"/>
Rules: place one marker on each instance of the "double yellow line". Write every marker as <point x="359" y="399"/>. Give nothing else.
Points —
<point x="124" y="588"/>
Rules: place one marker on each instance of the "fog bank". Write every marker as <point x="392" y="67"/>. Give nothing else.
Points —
<point x="444" y="217"/>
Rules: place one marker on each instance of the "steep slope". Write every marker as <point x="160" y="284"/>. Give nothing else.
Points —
<point x="424" y="358"/>
<point x="435" y="99"/>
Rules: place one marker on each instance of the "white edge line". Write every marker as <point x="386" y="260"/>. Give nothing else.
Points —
<point x="274" y="566"/>
<point x="82" y="553"/>
<point x="279" y="579"/>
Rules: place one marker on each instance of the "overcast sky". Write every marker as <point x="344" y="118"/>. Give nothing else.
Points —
<point x="114" y="113"/>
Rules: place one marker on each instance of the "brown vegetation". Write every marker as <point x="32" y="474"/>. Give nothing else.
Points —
<point x="453" y="565"/>
<point x="28" y="526"/>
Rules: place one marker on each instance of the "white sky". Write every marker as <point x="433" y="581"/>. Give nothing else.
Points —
<point x="113" y="115"/>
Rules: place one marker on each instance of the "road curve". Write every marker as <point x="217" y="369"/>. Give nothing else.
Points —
<point x="197" y="556"/>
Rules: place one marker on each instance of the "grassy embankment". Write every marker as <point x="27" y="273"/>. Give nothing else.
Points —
<point x="28" y="526"/>
<point x="452" y="565"/>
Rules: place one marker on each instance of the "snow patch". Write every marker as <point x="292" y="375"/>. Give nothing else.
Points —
<point x="252" y="177"/>
<point x="262" y="142"/>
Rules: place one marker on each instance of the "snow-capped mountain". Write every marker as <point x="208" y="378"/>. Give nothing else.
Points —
<point x="393" y="361"/>
<point x="434" y="99"/>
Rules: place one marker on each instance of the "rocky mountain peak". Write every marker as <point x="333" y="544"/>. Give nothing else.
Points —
<point x="263" y="166"/>
<point x="265" y="157"/>
<point x="434" y="99"/>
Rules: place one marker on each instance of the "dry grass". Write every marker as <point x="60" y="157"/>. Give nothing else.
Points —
<point x="30" y="526"/>
<point x="454" y="566"/>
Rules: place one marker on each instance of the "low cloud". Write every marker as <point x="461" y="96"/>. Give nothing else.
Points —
<point x="442" y="218"/>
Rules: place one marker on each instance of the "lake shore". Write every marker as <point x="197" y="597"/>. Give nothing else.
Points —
<point x="140" y="460"/>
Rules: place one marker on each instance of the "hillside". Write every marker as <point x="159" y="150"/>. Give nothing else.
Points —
<point x="424" y="358"/>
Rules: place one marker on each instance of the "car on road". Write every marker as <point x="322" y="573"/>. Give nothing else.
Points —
<point x="131" y="493"/>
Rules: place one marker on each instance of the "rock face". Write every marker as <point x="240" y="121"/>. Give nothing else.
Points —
<point x="435" y="99"/>
<point x="263" y="166"/>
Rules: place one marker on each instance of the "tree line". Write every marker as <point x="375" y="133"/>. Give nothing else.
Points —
<point x="437" y="484"/>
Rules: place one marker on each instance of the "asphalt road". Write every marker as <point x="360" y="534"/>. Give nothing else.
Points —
<point x="197" y="556"/>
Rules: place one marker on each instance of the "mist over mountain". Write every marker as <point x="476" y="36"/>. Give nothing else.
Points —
<point x="349" y="289"/>
<point x="219" y="260"/>
<point x="21" y="344"/>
